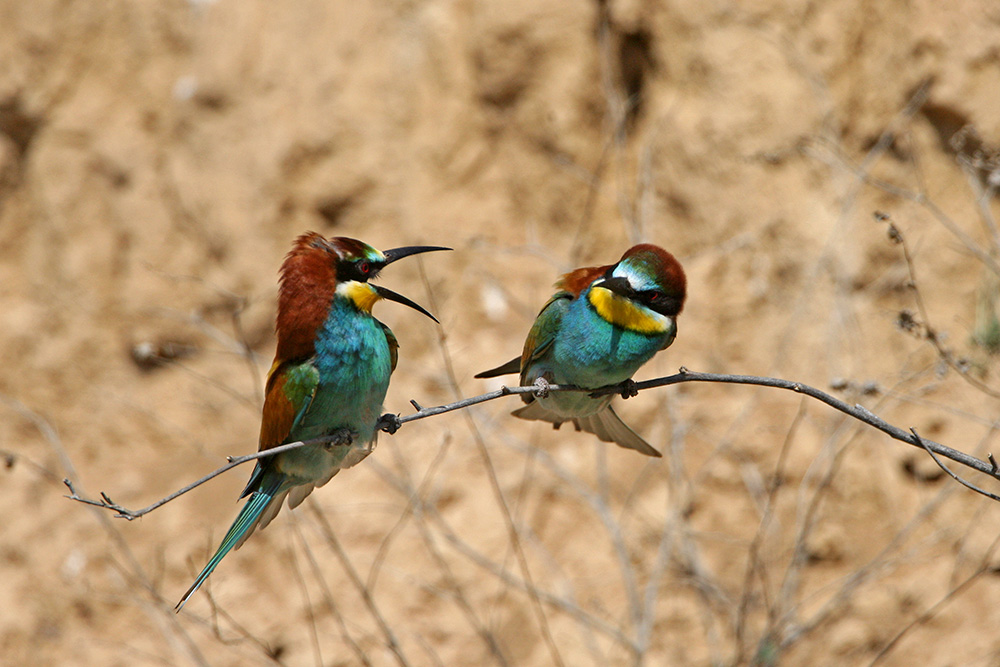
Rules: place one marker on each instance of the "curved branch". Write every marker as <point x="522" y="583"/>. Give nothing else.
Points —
<point x="391" y="423"/>
<point x="857" y="411"/>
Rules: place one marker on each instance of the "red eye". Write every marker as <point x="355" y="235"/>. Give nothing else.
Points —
<point x="364" y="268"/>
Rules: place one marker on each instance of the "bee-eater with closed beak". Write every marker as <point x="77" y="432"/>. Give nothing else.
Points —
<point x="330" y="375"/>
<point x="598" y="329"/>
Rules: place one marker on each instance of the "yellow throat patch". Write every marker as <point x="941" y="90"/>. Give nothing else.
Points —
<point x="361" y="294"/>
<point x="624" y="313"/>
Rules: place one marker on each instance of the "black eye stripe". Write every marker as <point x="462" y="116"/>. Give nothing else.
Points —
<point x="650" y="296"/>
<point x="357" y="269"/>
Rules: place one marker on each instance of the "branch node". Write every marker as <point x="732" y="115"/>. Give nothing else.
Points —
<point x="542" y="388"/>
<point x="416" y="406"/>
<point x="993" y="462"/>
<point x="868" y="414"/>
<point x="683" y="370"/>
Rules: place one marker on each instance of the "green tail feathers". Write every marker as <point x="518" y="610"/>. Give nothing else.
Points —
<point x="243" y="525"/>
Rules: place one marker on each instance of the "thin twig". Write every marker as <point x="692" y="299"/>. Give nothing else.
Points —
<point x="955" y="477"/>
<point x="125" y="513"/>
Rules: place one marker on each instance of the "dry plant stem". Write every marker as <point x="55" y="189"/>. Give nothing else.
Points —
<point x="453" y="585"/>
<point x="930" y="333"/>
<point x="310" y="609"/>
<point x="391" y="424"/>
<point x="331" y="539"/>
<point x="755" y="568"/>
<point x="931" y="612"/>
<point x="174" y="633"/>
<point x="327" y="597"/>
<point x="430" y="515"/>
<point x="484" y="454"/>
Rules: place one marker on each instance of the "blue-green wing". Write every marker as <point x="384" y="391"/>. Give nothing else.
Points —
<point x="390" y="338"/>
<point x="543" y="331"/>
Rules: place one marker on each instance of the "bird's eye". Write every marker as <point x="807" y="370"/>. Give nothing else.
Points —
<point x="364" y="268"/>
<point x="653" y="297"/>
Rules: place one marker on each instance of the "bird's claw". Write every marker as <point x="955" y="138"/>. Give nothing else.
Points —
<point x="541" y="388"/>
<point x="340" y="438"/>
<point x="629" y="389"/>
<point x="389" y="423"/>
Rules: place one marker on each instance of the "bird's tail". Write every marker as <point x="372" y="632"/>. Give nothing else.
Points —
<point x="512" y="366"/>
<point x="605" y="424"/>
<point x="609" y="427"/>
<point x="242" y="527"/>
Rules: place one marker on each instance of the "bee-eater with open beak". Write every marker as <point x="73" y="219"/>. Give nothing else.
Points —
<point x="598" y="329"/>
<point x="330" y="375"/>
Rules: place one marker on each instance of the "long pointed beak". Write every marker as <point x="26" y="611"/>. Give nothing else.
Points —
<point x="389" y="295"/>
<point x="399" y="253"/>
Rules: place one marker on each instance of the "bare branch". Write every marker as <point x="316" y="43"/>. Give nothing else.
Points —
<point x="857" y="411"/>
<point x="391" y="423"/>
<point x="338" y="439"/>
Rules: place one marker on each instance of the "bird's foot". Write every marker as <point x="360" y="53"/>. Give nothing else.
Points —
<point x="342" y="437"/>
<point x="629" y="389"/>
<point x="389" y="423"/>
<point x="541" y="388"/>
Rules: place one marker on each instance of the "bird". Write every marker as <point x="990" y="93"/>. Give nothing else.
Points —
<point x="598" y="329"/>
<point x="329" y="377"/>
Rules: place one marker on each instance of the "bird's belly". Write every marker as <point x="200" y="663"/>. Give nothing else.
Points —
<point x="354" y="370"/>
<point x="590" y="352"/>
<point x="600" y="354"/>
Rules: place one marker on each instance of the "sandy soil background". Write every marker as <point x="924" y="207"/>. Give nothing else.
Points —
<point x="158" y="158"/>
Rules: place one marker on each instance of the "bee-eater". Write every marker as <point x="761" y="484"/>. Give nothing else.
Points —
<point x="598" y="329"/>
<point x="330" y="375"/>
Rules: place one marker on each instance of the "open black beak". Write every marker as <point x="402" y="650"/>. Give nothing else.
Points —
<point x="399" y="253"/>
<point x="389" y="295"/>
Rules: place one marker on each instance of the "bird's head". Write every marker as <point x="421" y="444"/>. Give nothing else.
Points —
<point x="319" y="269"/>
<point x="357" y="263"/>
<point x="644" y="291"/>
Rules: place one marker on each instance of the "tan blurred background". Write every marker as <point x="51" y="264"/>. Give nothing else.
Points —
<point x="158" y="158"/>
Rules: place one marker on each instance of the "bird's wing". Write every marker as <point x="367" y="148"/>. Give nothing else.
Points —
<point x="291" y="387"/>
<point x="543" y="331"/>
<point x="539" y="338"/>
<point x="390" y="338"/>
